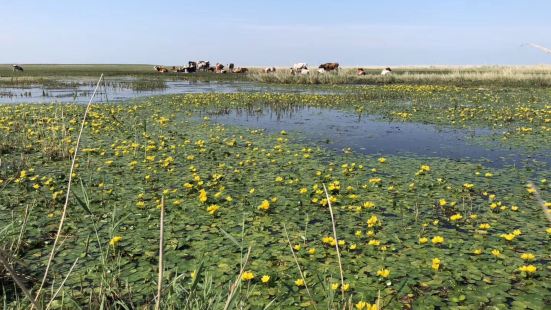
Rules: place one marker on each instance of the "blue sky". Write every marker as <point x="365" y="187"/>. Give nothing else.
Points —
<point x="275" y="32"/>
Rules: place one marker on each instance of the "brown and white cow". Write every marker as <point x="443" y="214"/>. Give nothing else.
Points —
<point x="360" y="71"/>
<point x="330" y="66"/>
<point x="161" y="69"/>
<point x="240" y="70"/>
<point x="269" y="70"/>
<point x="219" y="68"/>
<point x="386" y="71"/>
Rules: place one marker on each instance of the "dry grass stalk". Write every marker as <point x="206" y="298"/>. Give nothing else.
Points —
<point x="69" y="182"/>
<point x="336" y="240"/>
<point x="161" y="251"/>
<point x="235" y="285"/>
<point x="6" y="264"/>
<point x="540" y="201"/>
<point x="298" y="267"/>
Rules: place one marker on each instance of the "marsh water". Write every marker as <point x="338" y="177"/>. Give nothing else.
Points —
<point x="123" y="89"/>
<point x="331" y="128"/>
<point x="369" y="134"/>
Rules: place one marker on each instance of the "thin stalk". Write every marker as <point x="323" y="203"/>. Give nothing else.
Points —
<point x="336" y="240"/>
<point x="161" y="252"/>
<point x="69" y="182"/>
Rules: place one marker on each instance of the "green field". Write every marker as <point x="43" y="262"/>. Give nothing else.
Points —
<point x="411" y="231"/>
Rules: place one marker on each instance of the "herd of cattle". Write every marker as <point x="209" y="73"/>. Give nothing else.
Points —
<point x="194" y="66"/>
<point x="298" y="68"/>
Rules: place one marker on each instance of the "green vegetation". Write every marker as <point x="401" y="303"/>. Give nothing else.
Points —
<point x="418" y="232"/>
<point x="520" y="76"/>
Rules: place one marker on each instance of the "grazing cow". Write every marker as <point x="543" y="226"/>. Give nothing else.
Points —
<point x="330" y="66"/>
<point x="299" y="66"/>
<point x="240" y="70"/>
<point x="219" y="68"/>
<point x="360" y="71"/>
<point x="161" y="69"/>
<point x="386" y="71"/>
<point x="269" y="70"/>
<point x="17" y="68"/>
<point x="203" y="65"/>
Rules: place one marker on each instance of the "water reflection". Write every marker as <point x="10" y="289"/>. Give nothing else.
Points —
<point x="370" y="135"/>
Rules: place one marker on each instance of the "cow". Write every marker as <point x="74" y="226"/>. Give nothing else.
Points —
<point x="240" y="70"/>
<point x="321" y="70"/>
<point x="203" y="65"/>
<point x="299" y="66"/>
<point x="219" y="68"/>
<point x="17" y="68"/>
<point x="231" y="66"/>
<point x="330" y="66"/>
<point x="386" y="71"/>
<point x="304" y="71"/>
<point x="360" y="71"/>
<point x="269" y="70"/>
<point x="161" y="69"/>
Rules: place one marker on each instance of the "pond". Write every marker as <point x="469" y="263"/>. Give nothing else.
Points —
<point x="337" y="130"/>
<point x="123" y="89"/>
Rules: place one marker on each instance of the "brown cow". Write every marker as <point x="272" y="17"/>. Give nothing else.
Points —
<point x="330" y="66"/>
<point x="219" y="68"/>
<point x="17" y="68"/>
<point x="240" y="70"/>
<point x="360" y="71"/>
<point x="161" y="69"/>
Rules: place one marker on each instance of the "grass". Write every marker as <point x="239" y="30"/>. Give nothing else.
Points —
<point x="509" y="76"/>
<point x="142" y="157"/>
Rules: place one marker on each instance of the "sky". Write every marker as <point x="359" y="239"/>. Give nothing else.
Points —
<point x="275" y="32"/>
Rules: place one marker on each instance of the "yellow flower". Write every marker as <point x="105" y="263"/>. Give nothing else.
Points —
<point x="115" y="240"/>
<point x="477" y="251"/>
<point x="264" y="206"/>
<point x="362" y="305"/>
<point x="456" y="217"/>
<point x="442" y="202"/>
<point x="517" y="232"/>
<point x="484" y="226"/>
<point x="352" y="246"/>
<point x="383" y="272"/>
<point x="437" y="240"/>
<point x="425" y="168"/>
<point x="436" y="264"/>
<point x="247" y="276"/>
<point x="296" y="247"/>
<point x="265" y="279"/>
<point x="528" y="268"/>
<point x="508" y="237"/>
<point x="372" y="221"/>
<point x="212" y="209"/>
<point x="374" y="242"/>
<point x="311" y="251"/>
<point x="299" y="282"/>
<point x="528" y="256"/>
<point x="423" y="240"/>
<point x="382" y="160"/>
<point x="548" y="230"/>
<point x="514" y="208"/>
<point x="279" y="179"/>
<point x="203" y="196"/>
<point x="335" y="286"/>
<point x="496" y="252"/>
<point x="368" y="205"/>
<point x="346" y="287"/>
<point x="303" y="190"/>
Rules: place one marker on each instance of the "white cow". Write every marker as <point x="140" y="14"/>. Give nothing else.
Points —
<point x="299" y="66"/>
<point x="386" y="71"/>
<point x="304" y="71"/>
